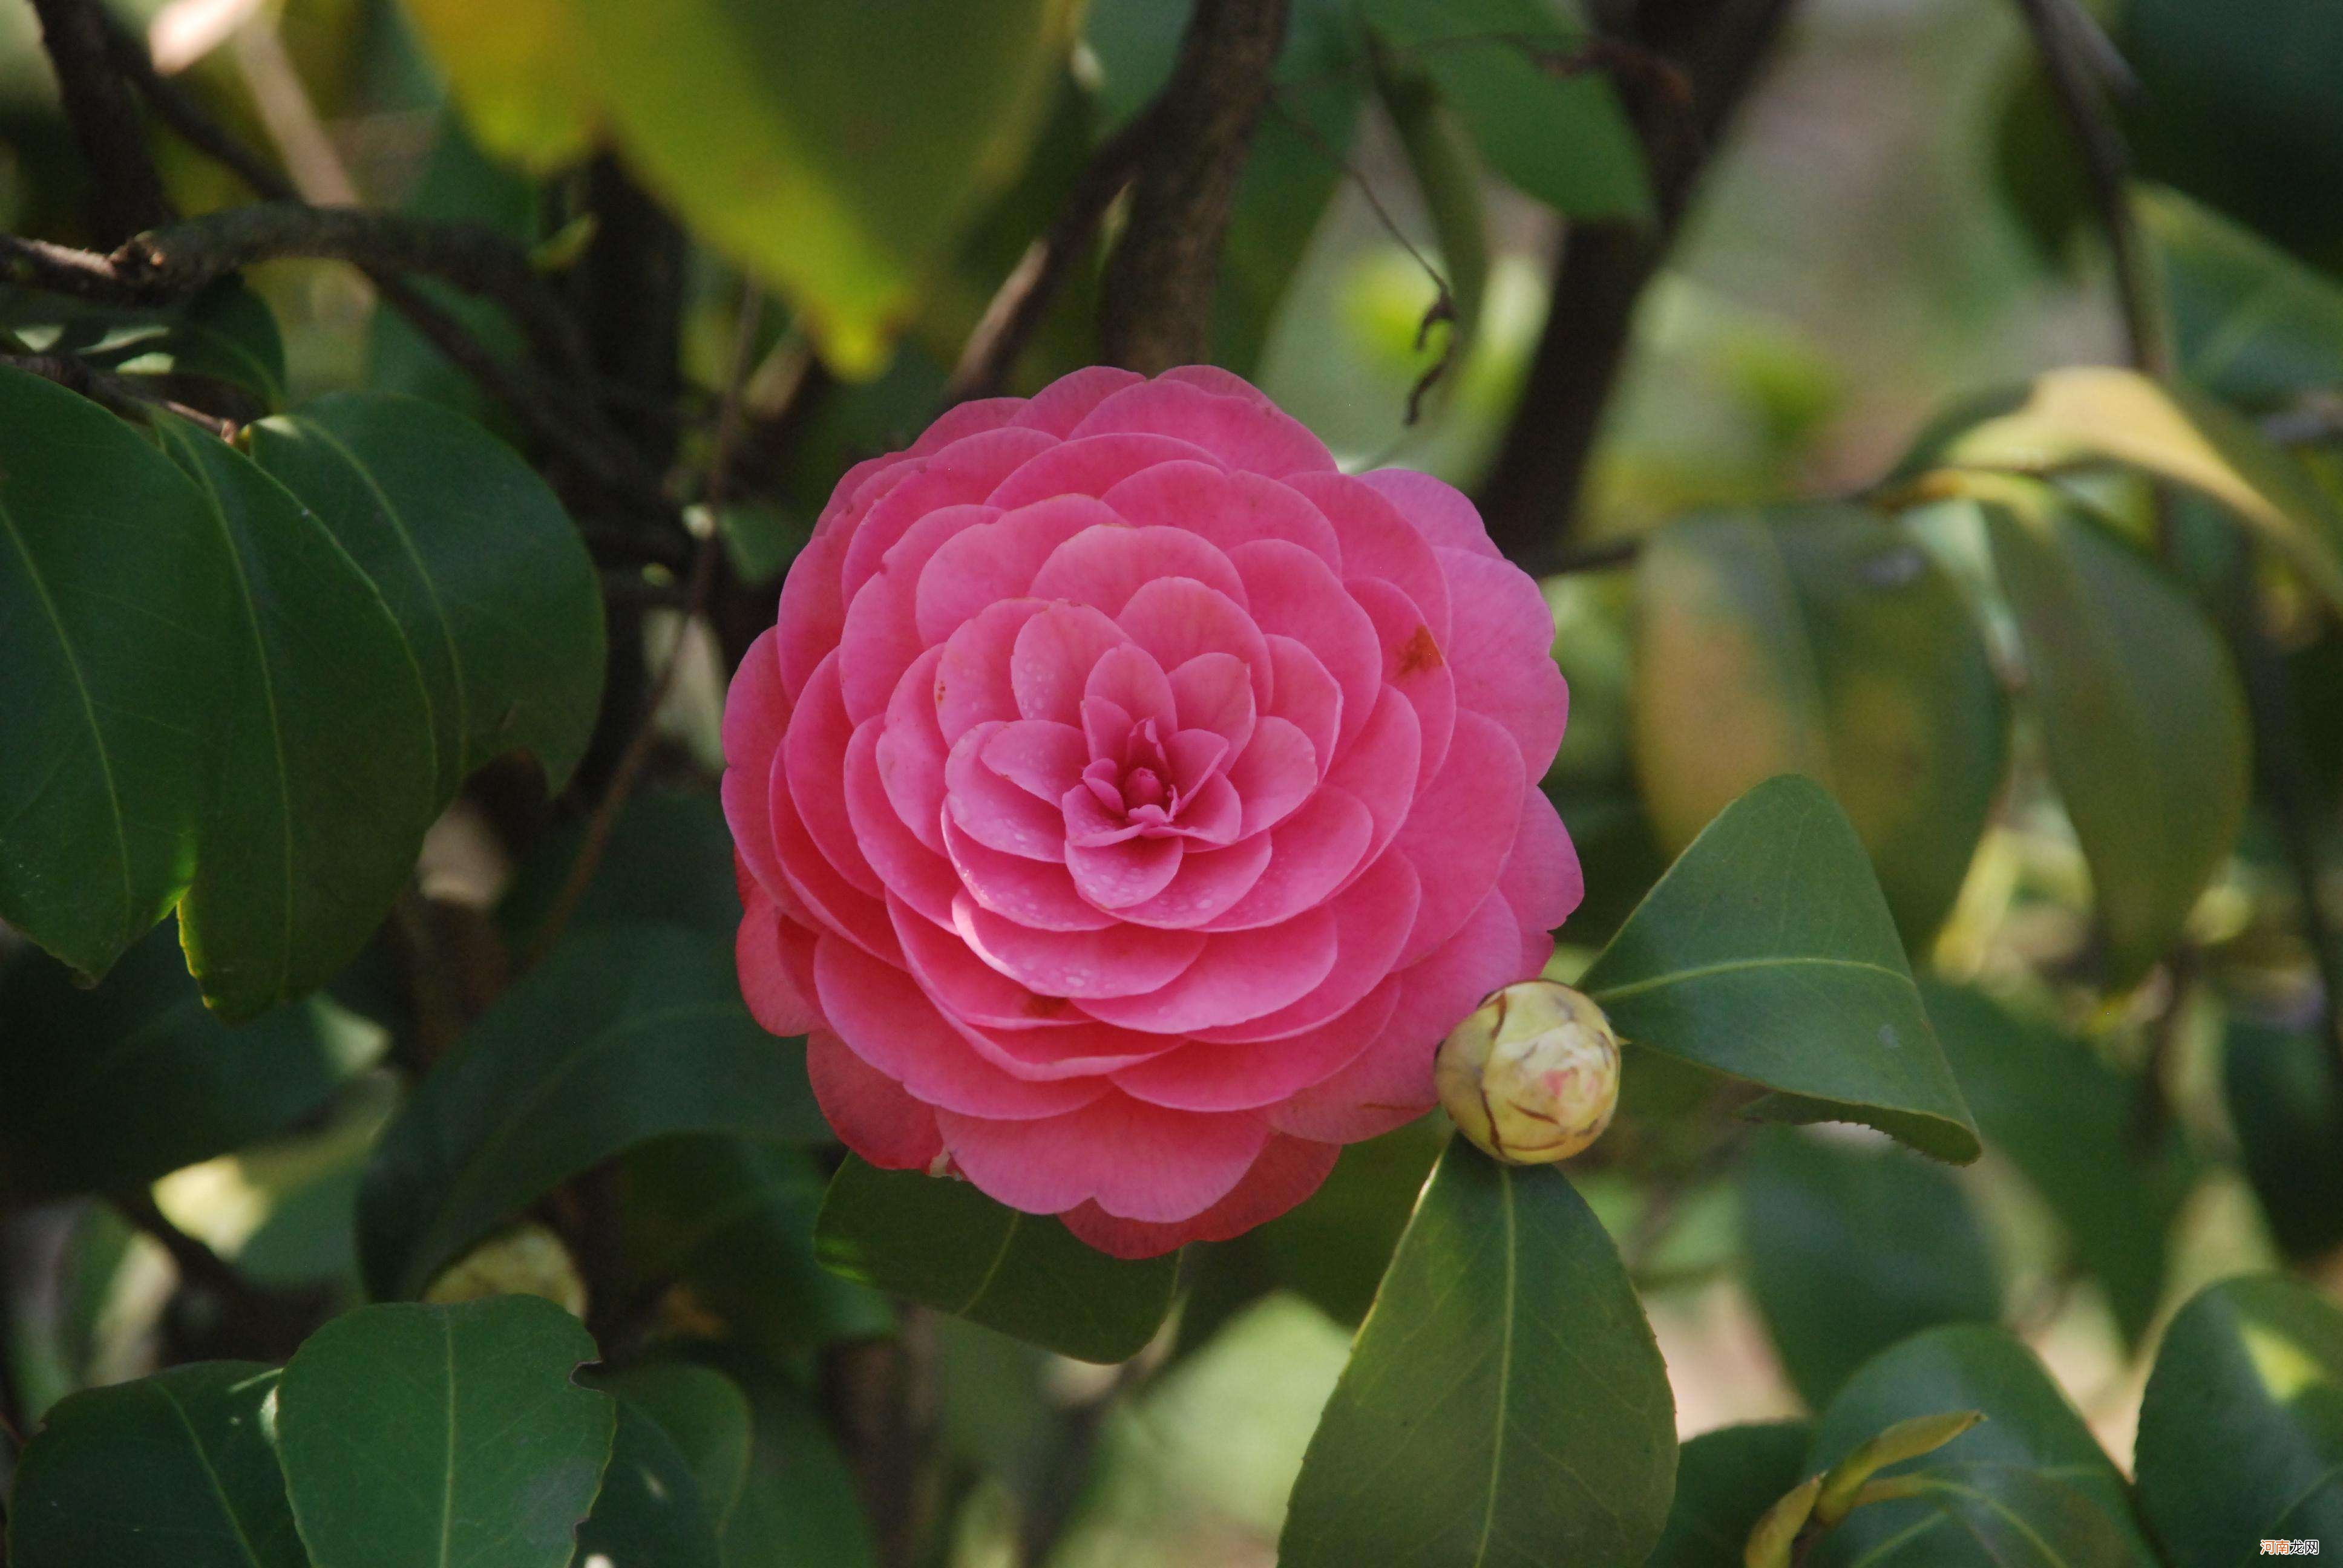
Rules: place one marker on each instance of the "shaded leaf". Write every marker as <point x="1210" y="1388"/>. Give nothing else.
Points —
<point x="2255" y="327"/>
<point x="835" y="150"/>
<point x="1506" y="1402"/>
<point x="2083" y="415"/>
<point x="1766" y="953"/>
<point x="2030" y="1426"/>
<point x="2143" y="718"/>
<point x="110" y="1088"/>
<point x="1819" y="641"/>
<point x="798" y="1504"/>
<point x="624" y="1034"/>
<point x="2287" y="1105"/>
<point x="102" y="777"/>
<point x="945" y="1243"/>
<point x="668" y="858"/>
<point x="1725" y="1481"/>
<point x="226" y="333"/>
<point x="705" y="1415"/>
<point x="2069" y="1122"/>
<point x="1849" y="1250"/>
<point x="650" y="1509"/>
<point x="1982" y="1515"/>
<point x="1906" y="1439"/>
<point x="1555" y="132"/>
<point x="490" y="583"/>
<point x="452" y="1435"/>
<point x="2241" y="1432"/>
<point x="322" y="764"/>
<point x="171" y="1471"/>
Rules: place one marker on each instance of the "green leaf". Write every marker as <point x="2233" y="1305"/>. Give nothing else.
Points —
<point x="2069" y="1122"/>
<point x="668" y="858"/>
<point x="835" y="150"/>
<point x="321" y="785"/>
<point x="1905" y="1440"/>
<point x="1560" y="135"/>
<point x="1766" y="953"/>
<point x="1987" y="1516"/>
<point x="1331" y="1247"/>
<point x="110" y="1088"/>
<point x="651" y="1508"/>
<point x="2287" y="1104"/>
<point x="1505" y="1403"/>
<point x="2091" y="416"/>
<point x="1819" y="641"/>
<point x="491" y="585"/>
<point x="732" y="1218"/>
<point x="226" y="333"/>
<point x="704" y="1414"/>
<point x="2028" y="1426"/>
<point x="1776" y="1532"/>
<point x="798" y="1507"/>
<point x="1849" y="1250"/>
<point x="2143" y="718"/>
<point x="171" y="1471"/>
<point x="516" y="70"/>
<point x="2241" y="1432"/>
<point x="102" y="777"/>
<point x="624" y="1034"/>
<point x="1725" y="1481"/>
<point x="2255" y="327"/>
<point x="449" y="1435"/>
<point x="945" y="1243"/>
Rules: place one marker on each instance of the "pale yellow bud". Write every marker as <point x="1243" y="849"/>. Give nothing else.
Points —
<point x="1532" y="1076"/>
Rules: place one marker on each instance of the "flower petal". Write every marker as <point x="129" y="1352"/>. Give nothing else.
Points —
<point x="1287" y="1170"/>
<point x="1135" y="1161"/>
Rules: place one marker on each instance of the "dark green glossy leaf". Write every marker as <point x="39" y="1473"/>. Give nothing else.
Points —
<point x="1850" y="1250"/>
<point x="1819" y="641"/>
<point x="650" y="1509"/>
<point x="491" y="585"/>
<point x="102" y="777"/>
<point x="945" y="1243"/>
<point x="172" y="1471"/>
<point x="2255" y="327"/>
<point x="2028" y="1426"/>
<point x="668" y="858"/>
<point x="452" y="1436"/>
<point x="110" y="1088"/>
<point x="1982" y="1515"/>
<point x="732" y="1219"/>
<point x="1505" y="1405"/>
<point x="624" y="1034"/>
<point x="1766" y="953"/>
<point x="321" y="783"/>
<point x="2069" y="1121"/>
<point x="799" y="1506"/>
<point x="2287" y="1104"/>
<point x="1333" y="1247"/>
<point x="2241" y="1433"/>
<point x="226" y="333"/>
<point x="2143" y="718"/>
<point x="704" y="1414"/>
<point x="1560" y="135"/>
<point x="1724" y="1481"/>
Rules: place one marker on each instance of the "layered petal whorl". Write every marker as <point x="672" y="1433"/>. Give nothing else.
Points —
<point x="1128" y="803"/>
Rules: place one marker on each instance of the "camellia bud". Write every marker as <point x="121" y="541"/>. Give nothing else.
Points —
<point x="1532" y="1076"/>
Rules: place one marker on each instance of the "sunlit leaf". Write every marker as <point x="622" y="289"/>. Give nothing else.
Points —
<point x="1849" y="1250"/>
<point x="945" y="1243"/>
<point x="2241" y="1433"/>
<point x="1766" y="953"/>
<point x="322" y="751"/>
<point x="490" y="583"/>
<point x="102" y="777"/>
<point x="171" y="1471"/>
<point x="624" y="1034"/>
<point x="516" y="70"/>
<point x="1505" y="1405"/>
<point x="443" y="1434"/>
<point x="1819" y="641"/>
<point x="834" y="149"/>
<point x="2143" y="718"/>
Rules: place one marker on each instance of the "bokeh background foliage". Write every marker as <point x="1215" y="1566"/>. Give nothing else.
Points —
<point x="1925" y="420"/>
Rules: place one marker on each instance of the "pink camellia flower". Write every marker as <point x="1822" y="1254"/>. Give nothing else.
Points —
<point x="1128" y="803"/>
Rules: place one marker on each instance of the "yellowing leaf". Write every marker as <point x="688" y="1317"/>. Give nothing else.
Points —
<point x="518" y="71"/>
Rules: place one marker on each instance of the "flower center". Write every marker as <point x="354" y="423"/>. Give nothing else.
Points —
<point x="1144" y="787"/>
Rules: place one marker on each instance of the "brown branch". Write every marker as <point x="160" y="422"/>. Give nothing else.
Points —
<point x="126" y="193"/>
<point x="1023" y="299"/>
<point x="1716" y="48"/>
<point x="123" y="394"/>
<point x="2072" y="49"/>
<point x="1158" y="306"/>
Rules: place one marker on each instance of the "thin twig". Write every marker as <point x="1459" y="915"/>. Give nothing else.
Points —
<point x="123" y="394"/>
<point x="630" y="766"/>
<point x="126" y="193"/>
<point x="2071" y="64"/>
<point x="1157" y="305"/>
<point x="1023" y="300"/>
